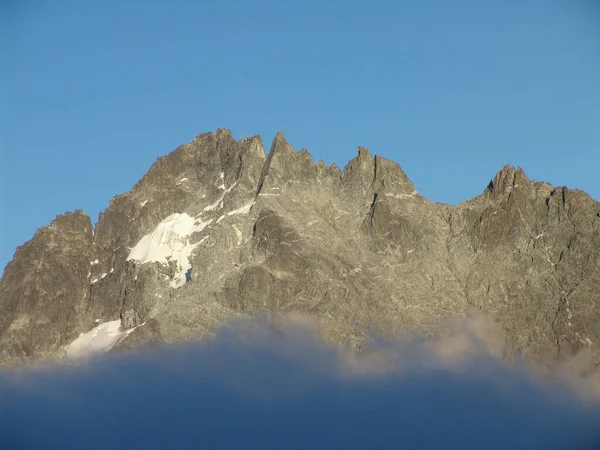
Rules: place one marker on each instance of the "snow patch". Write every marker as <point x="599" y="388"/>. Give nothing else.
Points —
<point x="238" y="233"/>
<point x="143" y="203"/>
<point x="243" y="210"/>
<point x="219" y="202"/>
<point x="222" y="178"/>
<point x="95" y="280"/>
<point x="412" y="194"/>
<point x="215" y="205"/>
<point x="98" y="340"/>
<point x="183" y="180"/>
<point x="94" y="262"/>
<point x="103" y="275"/>
<point x="131" y="330"/>
<point x="170" y="241"/>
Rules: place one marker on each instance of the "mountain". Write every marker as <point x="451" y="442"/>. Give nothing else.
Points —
<point x="220" y="229"/>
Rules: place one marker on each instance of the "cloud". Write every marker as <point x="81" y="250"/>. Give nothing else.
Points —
<point x="259" y="384"/>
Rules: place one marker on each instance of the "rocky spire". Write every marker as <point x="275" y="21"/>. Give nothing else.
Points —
<point x="505" y="180"/>
<point x="285" y="164"/>
<point x="280" y="145"/>
<point x="369" y="174"/>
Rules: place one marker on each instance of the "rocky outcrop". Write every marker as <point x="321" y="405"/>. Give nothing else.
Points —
<point x="45" y="288"/>
<point x="360" y="250"/>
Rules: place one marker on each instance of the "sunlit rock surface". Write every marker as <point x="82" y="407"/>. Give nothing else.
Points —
<point x="221" y="229"/>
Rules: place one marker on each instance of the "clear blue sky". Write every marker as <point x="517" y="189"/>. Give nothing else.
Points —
<point x="94" y="91"/>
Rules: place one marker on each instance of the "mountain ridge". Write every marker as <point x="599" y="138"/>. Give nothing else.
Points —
<point x="358" y="248"/>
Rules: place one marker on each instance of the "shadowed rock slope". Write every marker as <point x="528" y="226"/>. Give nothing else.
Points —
<point x="360" y="250"/>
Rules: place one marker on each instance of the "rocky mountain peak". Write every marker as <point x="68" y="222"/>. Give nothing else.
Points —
<point x="368" y="175"/>
<point x="364" y="154"/>
<point x="506" y="179"/>
<point x="220" y="229"/>
<point x="280" y="145"/>
<point x="389" y="175"/>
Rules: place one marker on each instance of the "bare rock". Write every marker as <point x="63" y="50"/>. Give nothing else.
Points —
<point x="223" y="230"/>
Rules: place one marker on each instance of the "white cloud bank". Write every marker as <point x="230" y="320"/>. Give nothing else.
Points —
<point x="260" y="385"/>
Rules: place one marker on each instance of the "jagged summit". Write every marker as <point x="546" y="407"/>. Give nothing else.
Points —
<point x="280" y="143"/>
<point x="219" y="228"/>
<point x="506" y="179"/>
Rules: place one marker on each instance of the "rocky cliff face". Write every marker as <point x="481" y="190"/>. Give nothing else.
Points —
<point x="219" y="229"/>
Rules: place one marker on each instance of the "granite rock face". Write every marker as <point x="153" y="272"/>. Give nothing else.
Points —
<point x="220" y="229"/>
<point x="45" y="288"/>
